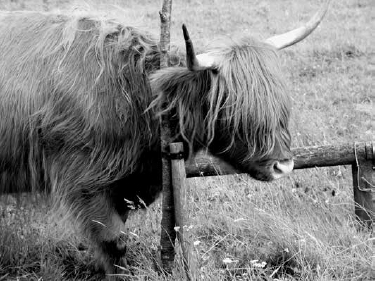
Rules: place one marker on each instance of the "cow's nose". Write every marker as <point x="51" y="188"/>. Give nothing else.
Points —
<point x="282" y="168"/>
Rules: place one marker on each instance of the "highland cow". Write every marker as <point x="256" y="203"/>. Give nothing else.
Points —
<point x="80" y="106"/>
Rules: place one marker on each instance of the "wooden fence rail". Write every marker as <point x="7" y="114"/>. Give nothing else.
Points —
<point x="361" y="156"/>
<point x="304" y="157"/>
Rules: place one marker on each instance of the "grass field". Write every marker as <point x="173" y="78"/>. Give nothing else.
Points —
<point x="301" y="227"/>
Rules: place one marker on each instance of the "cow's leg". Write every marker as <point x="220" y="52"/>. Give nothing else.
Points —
<point x="92" y="206"/>
<point x="102" y="225"/>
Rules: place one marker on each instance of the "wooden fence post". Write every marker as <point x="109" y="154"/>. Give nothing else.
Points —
<point x="179" y="194"/>
<point x="168" y="234"/>
<point x="364" y="186"/>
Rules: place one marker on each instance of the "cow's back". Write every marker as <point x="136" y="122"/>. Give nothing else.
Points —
<point x="68" y="89"/>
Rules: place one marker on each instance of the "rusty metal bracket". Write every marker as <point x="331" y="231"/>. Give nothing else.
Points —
<point x="370" y="158"/>
<point x="173" y="156"/>
<point x="370" y="189"/>
<point x="370" y="152"/>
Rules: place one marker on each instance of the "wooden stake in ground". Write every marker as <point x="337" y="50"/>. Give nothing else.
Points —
<point x="168" y="234"/>
<point x="179" y="194"/>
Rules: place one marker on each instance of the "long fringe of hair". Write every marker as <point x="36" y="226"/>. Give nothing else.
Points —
<point x="244" y="96"/>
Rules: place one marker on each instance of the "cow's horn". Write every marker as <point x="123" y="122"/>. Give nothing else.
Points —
<point x="292" y="37"/>
<point x="194" y="63"/>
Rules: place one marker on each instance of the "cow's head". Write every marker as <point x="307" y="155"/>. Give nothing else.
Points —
<point x="233" y="101"/>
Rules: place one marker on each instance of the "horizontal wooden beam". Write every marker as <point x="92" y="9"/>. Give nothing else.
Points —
<point x="304" y="157"/>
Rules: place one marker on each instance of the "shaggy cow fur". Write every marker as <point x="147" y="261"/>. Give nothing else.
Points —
<point x="80" y="101"/>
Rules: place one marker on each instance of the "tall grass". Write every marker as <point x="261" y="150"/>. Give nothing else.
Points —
<point x="298" y="228"/>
